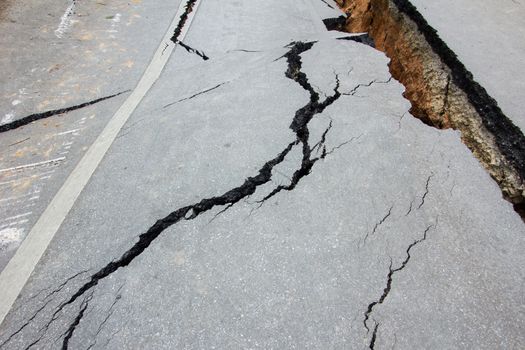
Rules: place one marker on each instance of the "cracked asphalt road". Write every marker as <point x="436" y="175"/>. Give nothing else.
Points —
<point x="277" y="195"/>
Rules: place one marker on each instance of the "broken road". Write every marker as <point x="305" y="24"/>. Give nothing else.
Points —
<point x="251" y="180"/>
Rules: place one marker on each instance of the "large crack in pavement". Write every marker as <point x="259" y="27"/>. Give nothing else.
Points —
<point x="304" y="115"/>
<point x="509" y="137"/>
<point x="68" y="334"/>
<point x="182" y="21"/>
<point x="190" y="49"/>
<point x="361" y="38"/>
<point x="337" y="23"/>
<point x="38" y="116"/>
<point x="300" y="127"/>
<point x="442" y="91"/>
<point x="188" y="9"/>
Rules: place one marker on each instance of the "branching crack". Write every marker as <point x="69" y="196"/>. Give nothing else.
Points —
<point x="63" y="284"/>
<point x="390" y="277"/>
<point x="69" y="333"/>
<point x="108" y="316"/>
<point x="327" y="153"/>
<point x="37" y="116"/>
<point x="26" y="323"/>
<point x="47" y="301"/>
<point x="369" y="84"/>
<point x="321" y="142"/>
<point x="337" y="23"/>
<point x="228" y="199"/>
<point x="303" y="116"/>
<point x="178" y="30"/>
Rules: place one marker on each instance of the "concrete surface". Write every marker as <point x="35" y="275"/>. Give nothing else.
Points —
<point x="102" y="50"/>
<point x="488" y="38"/>
<point x="394" y="238"/>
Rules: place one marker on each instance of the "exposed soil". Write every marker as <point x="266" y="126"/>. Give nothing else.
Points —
<point x="442" y="92"/>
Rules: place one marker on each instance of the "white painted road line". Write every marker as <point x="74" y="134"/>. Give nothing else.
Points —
<point x="18" y="270"/>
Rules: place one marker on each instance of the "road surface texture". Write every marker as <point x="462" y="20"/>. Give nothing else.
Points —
<point x="489" y="43"/>
<point x="102" y="53"/>
<point x="259" y="182"/>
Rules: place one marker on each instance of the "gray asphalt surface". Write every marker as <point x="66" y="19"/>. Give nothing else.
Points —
<point x="488" y="39"/>
<point x="286" y="199"/>
<point x="102" y="50"/>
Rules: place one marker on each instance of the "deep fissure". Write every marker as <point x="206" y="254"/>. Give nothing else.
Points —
<point x="38" y="116"/>
<point x="182" y="21"/>
<point x="300" y="127"/>
<point x="442" y="90"/>
<point x="304" y="115"/>
<point x="361" y="38"/>
<point x="336" y="23"/>
<point x="190" y="49"/>
<point x="188" y="9"/>
<point x="71" y="329"/>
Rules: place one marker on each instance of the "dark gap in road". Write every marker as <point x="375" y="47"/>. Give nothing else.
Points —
<point x="178" y="30"/>
<point x="190" y="49"/>
<point x="372" y="344"/>
<point x="37" y="116"/>
<point x="300" y="127"/>
<point x="304" y="115"/>
<point x="69" y="332"/>
<point x="362" y="39"/>
<point x="337" y="23"/>
<point x="442" y="91"/>
<point x="182" y="21"/>
<point x="106" y="319"/>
